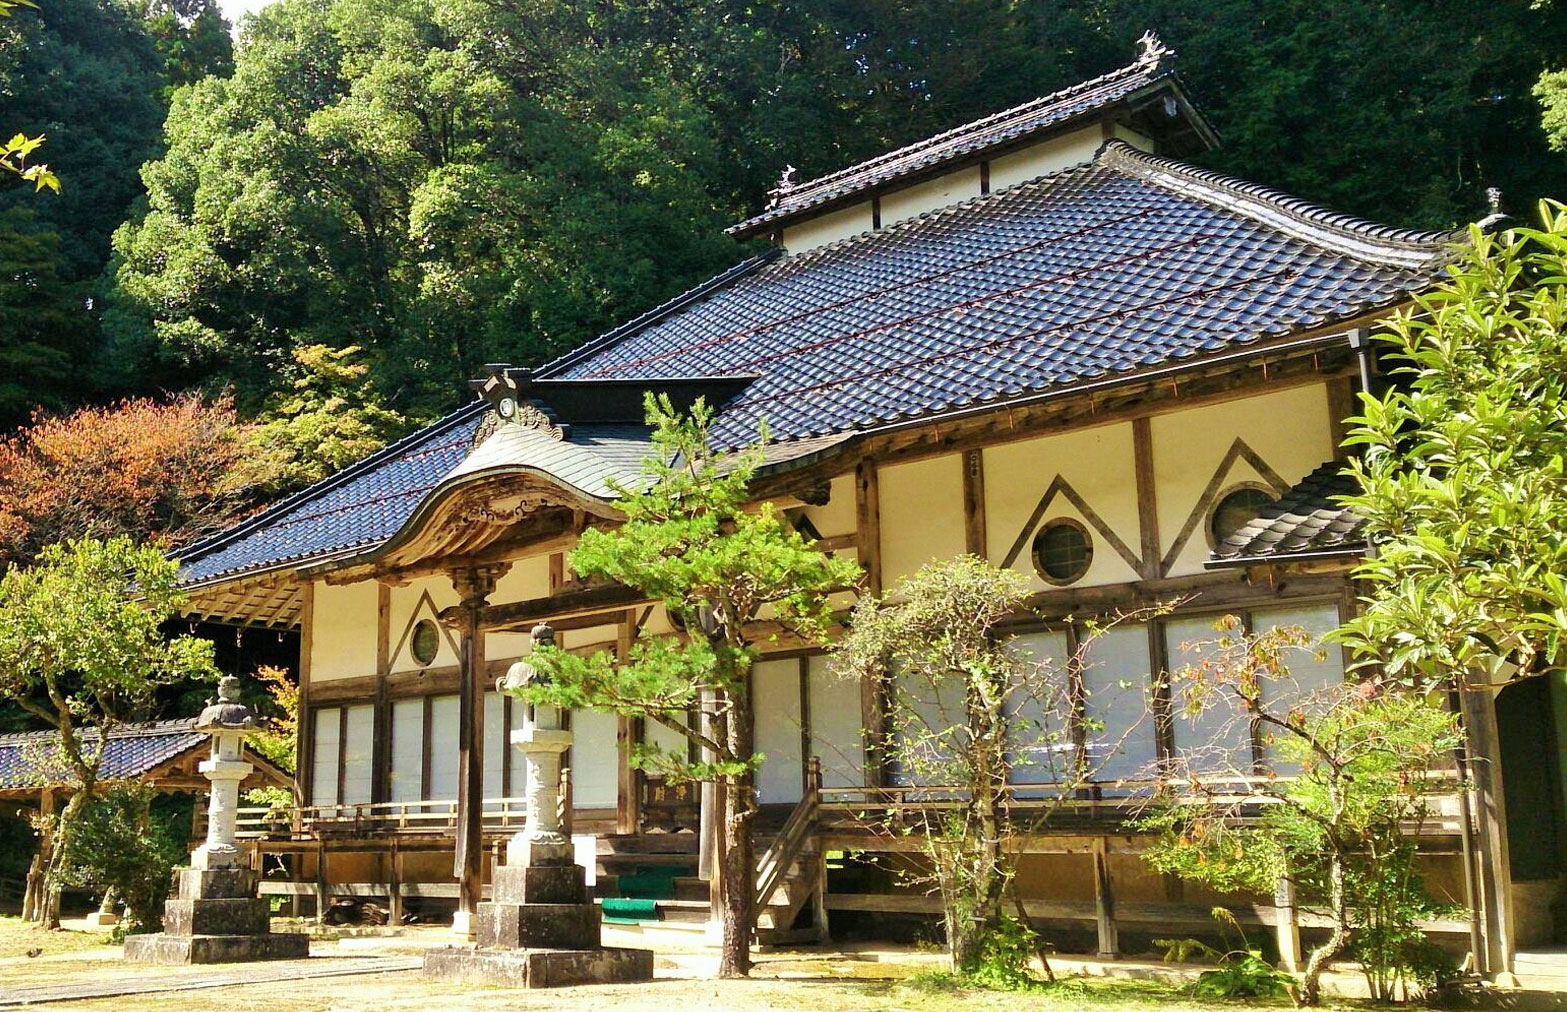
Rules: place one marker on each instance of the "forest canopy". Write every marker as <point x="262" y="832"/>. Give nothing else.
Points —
<point x="441" y="183"/>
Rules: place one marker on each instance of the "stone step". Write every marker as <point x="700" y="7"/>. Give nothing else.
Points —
<point x="650" y="843"/>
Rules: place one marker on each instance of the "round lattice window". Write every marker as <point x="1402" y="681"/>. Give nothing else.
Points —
<point x="426" y="642"/>
<point x="1063" y="551"/>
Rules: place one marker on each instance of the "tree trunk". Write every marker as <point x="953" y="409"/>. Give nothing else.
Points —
<point x="1311" y="978"/>
<point x="54" y="875"/>
<point x="739" y="865"/>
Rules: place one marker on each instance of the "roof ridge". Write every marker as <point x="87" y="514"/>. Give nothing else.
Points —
<point x="1345" y="234"/>
<point x="136" y="729"/>
<point x="1020" y="109"/>
<point x="288" y="504"/>
<point x="659" y="312"/>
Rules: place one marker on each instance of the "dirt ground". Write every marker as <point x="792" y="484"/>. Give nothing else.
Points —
<point x="801" y="980"/>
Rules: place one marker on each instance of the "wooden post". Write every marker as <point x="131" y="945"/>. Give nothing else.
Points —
<point x="381" y="713"/>
<point x="321" y="884"/>
<point x="1104" y="902"/>
<point x="395" y="900"/>
<point x="305" y="729"/>
<point x="1485" y="772"/>
<point x="1287" y="923"/>
<point x="974" y="536"/>
<point x="474" y="585"/>
<point x="628" y="732"/>
<point x="867" y="505"/>
<point x="1147" y="500"/>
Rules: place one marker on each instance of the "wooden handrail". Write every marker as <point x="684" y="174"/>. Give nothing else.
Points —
<point x="786" y="846"/>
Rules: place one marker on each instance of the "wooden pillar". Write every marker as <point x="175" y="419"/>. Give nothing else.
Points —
<point x="381" y="714"/>
<point x="1286" y="925"/>
<point x="474" y="586"/>
<point x="867" y="505"/>
<point x="305" y="727"/>
<point x="1104" y="902"/>
<point x="1152" y="565"/>
<point x="1490" y="809"/>
<point x="395" y="887"/>
<point x="974" y="535"/>
<point x="628" y="732"/>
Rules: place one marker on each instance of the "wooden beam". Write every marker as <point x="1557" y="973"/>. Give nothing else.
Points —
<point x="523" y="613"/>
<point x="974" y="536"/>
<point x="867" y="504"/>
<point x="1342" y="403"/>
<point x="1152" y="567"/>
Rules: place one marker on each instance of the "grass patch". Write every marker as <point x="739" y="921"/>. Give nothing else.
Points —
<point x="19" y="937"/>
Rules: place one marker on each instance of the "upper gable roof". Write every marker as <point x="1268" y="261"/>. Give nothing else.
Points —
<point x="1151" y="75"/>
<point x="1129" y="262"/>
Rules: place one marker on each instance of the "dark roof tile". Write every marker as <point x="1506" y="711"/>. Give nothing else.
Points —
<point x="1306" y="520"/>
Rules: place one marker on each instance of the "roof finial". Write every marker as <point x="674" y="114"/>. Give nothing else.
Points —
<point x="1152" y="51"/>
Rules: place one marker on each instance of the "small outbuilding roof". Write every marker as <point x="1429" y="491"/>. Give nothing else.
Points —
<point x="29" y="760"/>
<point x="1307" y="522"/>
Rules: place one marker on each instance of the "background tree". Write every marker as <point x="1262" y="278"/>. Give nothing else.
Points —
<point x="692" y="541"/>
<point x="159" y="471"/>
<point x="1345" y="774"/>
<point x="965" y="706"/>
<point x="1460" y="478"/>
<point x="82" y="651"/>
<point x="123" y="846"/>
<point x="44" y="336"/>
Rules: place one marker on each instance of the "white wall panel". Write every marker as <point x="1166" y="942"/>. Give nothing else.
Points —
<point x="837" y="732"/>
<point x="775" y="687"/>
<point x="407" y="749"/>
<point x="595" y="764"/>
<point x="444" y="718"/>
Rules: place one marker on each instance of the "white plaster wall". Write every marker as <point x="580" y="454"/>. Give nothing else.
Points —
<point x="1098" y="464"/>
<point x="342" y="631"/>
<point x="827" y="228"/>
<point x="1289" y="429"/>
<point x="839" y="515"/>
<point x="921" y="514"/>
<point x="942" y="191"/>
<point x="410" y="604"/>
<point x="1051" y="155"/>
<point x="837" y="732"/>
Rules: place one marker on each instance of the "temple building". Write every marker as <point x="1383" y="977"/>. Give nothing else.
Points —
<point x="1040" y="338"/>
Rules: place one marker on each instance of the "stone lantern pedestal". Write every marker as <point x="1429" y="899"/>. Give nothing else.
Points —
<point x="541" y="926"/>
<point x="217" y="916"/>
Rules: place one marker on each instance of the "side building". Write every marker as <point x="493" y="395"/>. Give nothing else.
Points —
<point x="1039" y="338"/>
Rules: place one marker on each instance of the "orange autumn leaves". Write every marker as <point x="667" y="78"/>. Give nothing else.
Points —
<point x="163" y="471"/>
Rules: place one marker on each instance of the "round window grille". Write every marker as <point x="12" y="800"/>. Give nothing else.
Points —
<point x="1235" y="510"/>
<point x="1063" y="551"/>
<point x="426" y="642"/>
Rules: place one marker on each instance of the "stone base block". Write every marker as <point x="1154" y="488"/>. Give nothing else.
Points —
<point x="228" y="916"/>
<point x="215" y="883"/>
<point x="539" y="967"/>
<point x="183" y="949"/>
<point x="100" y="919"/>
<point x="538" y="926"/>
<point x="549" y="884"/>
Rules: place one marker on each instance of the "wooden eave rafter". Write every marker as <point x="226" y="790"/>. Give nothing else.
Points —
<point x="268" y="601"/>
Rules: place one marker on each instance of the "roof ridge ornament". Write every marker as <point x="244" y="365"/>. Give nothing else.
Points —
<point x="1152" y="52"/>
<point x="786" y="184"/>
<point x="506" y="387"/>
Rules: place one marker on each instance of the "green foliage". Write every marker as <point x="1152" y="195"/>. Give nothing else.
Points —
<point x="331" y="418"/>
<point x="43" y="334"/>
<point x="82" y="644"/>
<point x="1461" y="479"/>
<point x="1359" y="760"/>
<point x="691" y="541"/>
<point x="1241" y="972"/>
<point x="121" y="843"/>
<point x="1006" y="949"/>
<point x="13" y="158"/>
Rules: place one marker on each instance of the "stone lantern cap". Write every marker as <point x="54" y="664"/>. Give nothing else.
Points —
<point x="522" y="674"/>
<point x="226" y="712"/>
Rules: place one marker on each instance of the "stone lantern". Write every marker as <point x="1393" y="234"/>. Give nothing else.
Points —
<point x="217" y="916"/>
<point x="541" y="929"/>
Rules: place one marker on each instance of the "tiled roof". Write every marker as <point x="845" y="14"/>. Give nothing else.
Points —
<point x="362" y="505"/>
<point x="998" y="130"/>
<point x="592" y="455"/>
<point x="1130" y="262"/>
<point x="30" y="760"/>
<point x="1306" y="521"/>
